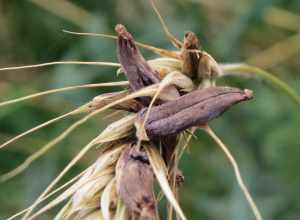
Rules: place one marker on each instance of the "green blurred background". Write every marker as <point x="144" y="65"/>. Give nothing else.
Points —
<point x="262" y="134"/>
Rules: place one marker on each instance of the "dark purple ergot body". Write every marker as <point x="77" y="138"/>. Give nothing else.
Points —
<point x="195" y="108"/>
<point x="135" y="181"/>
<point x="137" y="70"/>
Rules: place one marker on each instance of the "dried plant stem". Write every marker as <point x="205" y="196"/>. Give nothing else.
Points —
<point x="159" y="51"/>
<point x="247" y="69"/>
<point x="76" y="111"/>
<point x="41" y="152"/>
<point x="61" y="62"/>
<point x="70" y="88"/>
<point x="236" y="169"/>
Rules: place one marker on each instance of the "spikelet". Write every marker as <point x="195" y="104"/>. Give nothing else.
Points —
<point x="117" y="130"/>
<point x="120" y="183"/>
<point x="94" y="181"/>
<point x="142" y="147"/>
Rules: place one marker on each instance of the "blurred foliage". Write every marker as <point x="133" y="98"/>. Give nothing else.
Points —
<point x="263" y="134"/>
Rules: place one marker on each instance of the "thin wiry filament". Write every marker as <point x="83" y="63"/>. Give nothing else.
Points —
<point x="91" y="34"/>
<point x="61" y="63"/>
<point x="245" y="69"/>
<point x="58" y="178"/>
<point x="76" y="111"/>
<point x="69" y="192"/>
<point x="171" y="37"/>
<point x="50" y="194"/>
<point x="236" y="169"/>
<point x="70" y="88"/>
<point x="160" y="88"/>
<point x="187" y="141"/>
<point x="142" y="92"/>
<point x="160" y="171"/>
<point x="159" y="51"/>
<point x="79" y="110"/>
<point x="41" y="152"/>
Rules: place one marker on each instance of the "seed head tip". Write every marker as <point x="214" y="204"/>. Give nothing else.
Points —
<point x="122" y="31"/>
